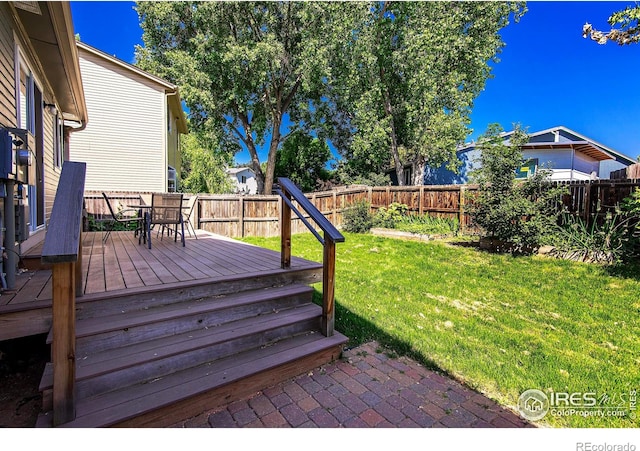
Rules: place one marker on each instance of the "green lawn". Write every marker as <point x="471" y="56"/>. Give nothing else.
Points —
<point x="501" y="324"/>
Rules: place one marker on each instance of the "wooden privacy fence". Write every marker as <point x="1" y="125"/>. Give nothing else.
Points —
<point x="239" y="216"/>
<point x="593" y="199"/>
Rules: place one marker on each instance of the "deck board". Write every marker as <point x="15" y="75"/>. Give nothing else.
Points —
<point x="121" y="263"/>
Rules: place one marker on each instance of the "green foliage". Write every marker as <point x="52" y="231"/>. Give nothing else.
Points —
<point x="407" y="77"/>
<point x="303" y="159"/>
<point x="357" y="217"/>
<point x="612" y="240"/>
<point x="203" y="169"/>
<point x="519" y="213"/>
<point x="346" y="175"/>
<point x="388" y="217"/>
<point x="628" y="31"/>
<point x="243" y="66"/>
<point x="631" y="205"/>
<point x="605" y="241"/>
<point x="428" y="225"/>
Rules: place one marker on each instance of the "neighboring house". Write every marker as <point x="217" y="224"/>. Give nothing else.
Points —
<point x="132" y="142"/>
<point x="244" y="180"/>
<point x="568" y="154"/>
<point x="41" y="104"/>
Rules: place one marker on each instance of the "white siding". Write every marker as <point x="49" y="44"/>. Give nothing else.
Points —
<point x="124" y="141"/>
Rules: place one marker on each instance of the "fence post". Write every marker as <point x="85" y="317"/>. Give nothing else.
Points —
<point x="334" y="212"/>
<point x="461" y="217"/>
<point x="241" y="216"/>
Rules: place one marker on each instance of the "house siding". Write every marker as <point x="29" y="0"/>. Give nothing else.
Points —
<point x="7" y="64"/>
<point x="10" y="35"/>
<point x="134" y="158"/>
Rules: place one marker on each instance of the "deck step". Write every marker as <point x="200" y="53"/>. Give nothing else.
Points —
<point x="166" y="400"/>
<point x="99" y="334"/>
<point x="133" y="299"/>
<point x="101" y="372"/>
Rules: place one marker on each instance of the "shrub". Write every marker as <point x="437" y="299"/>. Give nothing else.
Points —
<point x="517" y="212"/>
<point x="357" y="217"/>
<point x="389" y="216"/>
<point x="612" y="239"/>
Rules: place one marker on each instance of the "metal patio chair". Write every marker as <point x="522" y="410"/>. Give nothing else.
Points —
<point x="166" y="211"/>
<point x="120" y="217"/>
<point x="191" y="206"/>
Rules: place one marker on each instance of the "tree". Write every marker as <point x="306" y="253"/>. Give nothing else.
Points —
<point x="627" y="33"/>
<point x="516" y="212"/>
<point x="303" y="159"/>
<point x="414" y="70"/>
<point x="202" y="167"/>
<point x="244" y="67"/>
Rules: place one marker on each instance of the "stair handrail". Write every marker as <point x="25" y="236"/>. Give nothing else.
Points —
<point x="289" y="192"/>
<point x="63" y="250"/>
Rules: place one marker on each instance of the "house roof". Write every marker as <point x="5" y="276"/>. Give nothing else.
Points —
<point x="582" y="144"/>
<point x="169" y="88"/>
<point x="233" y="171"/>
<point x="585" y="147"/>
<point x="49" y="27"/>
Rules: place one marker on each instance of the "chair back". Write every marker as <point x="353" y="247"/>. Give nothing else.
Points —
<point x="106" y="199"/>
<point x="166" y="208"/>
<point x="191" y="203"/>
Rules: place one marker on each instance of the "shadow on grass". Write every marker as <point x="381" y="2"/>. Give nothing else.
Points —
<point x="628" y="270"/>
<point x="360" y="331"/>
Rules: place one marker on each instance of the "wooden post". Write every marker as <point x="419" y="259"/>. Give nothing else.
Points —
<point x="334" y="212"/>
<point x="241" y="216"/>
<point x="63" y="249"/>
<point x="328" y="286"/>
<point x="63" y="348"/>
<point x="285" y="232"/>
<point x="421" y="201"/>
<point x="461" y="217"/>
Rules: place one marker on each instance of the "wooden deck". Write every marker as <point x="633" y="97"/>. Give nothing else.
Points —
<point x="121" y="267"/>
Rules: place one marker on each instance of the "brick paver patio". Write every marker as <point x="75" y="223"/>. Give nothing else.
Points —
<point x="364" y="389"/>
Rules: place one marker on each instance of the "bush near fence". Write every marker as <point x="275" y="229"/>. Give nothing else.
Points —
<point x="239" y="216"/>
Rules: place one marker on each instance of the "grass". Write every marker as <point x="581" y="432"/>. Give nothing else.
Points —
<point x="498" y="323"/>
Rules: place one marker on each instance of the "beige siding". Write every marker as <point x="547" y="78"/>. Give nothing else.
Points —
<point x="124" y="141"/>
<point x="7" y="80"/>
<point x="8" y="99"/>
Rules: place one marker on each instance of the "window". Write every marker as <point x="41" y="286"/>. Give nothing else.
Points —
<point x="25" y="95"/>
<point x="243" y="179"/>
<point x="527" y="169"/>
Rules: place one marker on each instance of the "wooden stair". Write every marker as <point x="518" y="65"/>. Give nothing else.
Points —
<point x="170" y="358"/>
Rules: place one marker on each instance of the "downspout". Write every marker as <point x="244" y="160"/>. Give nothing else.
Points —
<point x="166" y="140"/>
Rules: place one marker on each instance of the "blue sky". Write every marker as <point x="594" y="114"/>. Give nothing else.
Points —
<point x="548" y="74"/>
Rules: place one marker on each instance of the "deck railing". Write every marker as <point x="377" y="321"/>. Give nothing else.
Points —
<point x="289" y="193"/>
<point x="63" y="249"/>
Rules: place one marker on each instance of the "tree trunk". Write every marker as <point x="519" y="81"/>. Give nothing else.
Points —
<point x="271" y="158"/>
<point x="418" y="171"/>
<point x="394" y="139"/>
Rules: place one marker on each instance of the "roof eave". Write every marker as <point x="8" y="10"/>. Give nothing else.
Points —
<point x="50" y="33"/>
